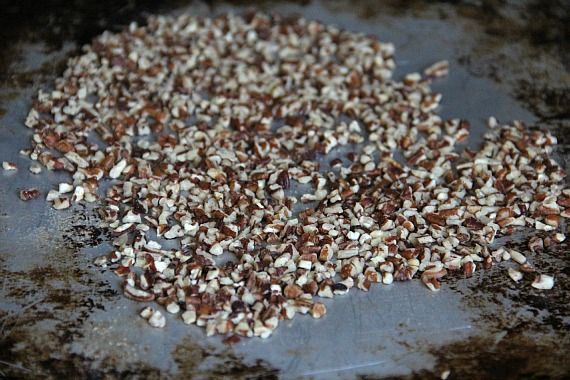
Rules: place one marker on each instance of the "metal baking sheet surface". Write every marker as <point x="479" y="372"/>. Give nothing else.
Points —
<point x="60" y="315"/>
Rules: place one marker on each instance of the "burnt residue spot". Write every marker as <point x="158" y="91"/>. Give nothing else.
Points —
<point x="5" y="96"/>
<point x="84" y="235"/>
<point x="522" y="331"/>
<point x="503" y="304"/>
<point x="84" y="231"/>
<point x="515" y="355"/>
<point x="546" y="23"/>
<point x="526" y="47"/>
<point x="549" y="103"/>
<point x="15" y="79"/>
<point x="194" y="360"/>
<point x="42" y="357"/>
<point x="57" y="22"/>
<point x="51" y="304"/>
<point x="518" y="331"/>
<point x="47" y="307"/>
<point x="541" y="23"/>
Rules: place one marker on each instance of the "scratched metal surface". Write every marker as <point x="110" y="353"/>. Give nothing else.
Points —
<point x="59" y="315"/>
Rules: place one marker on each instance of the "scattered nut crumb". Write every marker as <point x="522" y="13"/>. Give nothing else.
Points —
<point x="515" y="275"/>
<point x="35" y="168"/>
<point x="543" y="282"/>
<point x="9" y="166"/>
<point x="28" y="194"/>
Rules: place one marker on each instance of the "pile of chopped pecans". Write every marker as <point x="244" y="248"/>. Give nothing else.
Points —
<point x="209" y="129"/>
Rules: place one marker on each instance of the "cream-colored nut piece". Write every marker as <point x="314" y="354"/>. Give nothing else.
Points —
<point x="9" y="166"/>
<point x="517" y="256"/>
<point x="117" y="170"/>
<point x="35" y="168"/>
<point x="543" y="282"/>
<point x="61" y="203"/>
<point x="157" y="319"/>
<point x="318" y="310"/>
<point x="515" y="275"/>
<point x="147" y="312"/>
<point x="65" y="188"/>
<point x="216" y="249"/>
<point x="189" y="316"/>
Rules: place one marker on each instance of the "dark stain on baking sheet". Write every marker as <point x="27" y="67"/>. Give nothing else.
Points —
<point x="191" y="358"/>
<point x="84" y="231"/>
<point x="41" y="361"/>
<point x="52" y="302"/>
<point x="516" y="355"/>
<point x="544" y="311"/>
<point x="523" y="332"/>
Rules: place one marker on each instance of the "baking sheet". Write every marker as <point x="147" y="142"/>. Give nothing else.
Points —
<point x="60" y="315"/>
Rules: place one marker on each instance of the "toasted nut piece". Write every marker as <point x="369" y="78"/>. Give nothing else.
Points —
<point x="293" y="291"/>
<point x="543" y="282"/>
<point x="517" y="256"/>
<point x="61" y="203"/>
<point x="137" y="294"/>
<point x="515" y="274"/>
<point x="147" y="312"/>
<point x="536" y="244"/>
<point x="283" y="179"/>
<point x="117" y="170"/>
<point x="430" y="278"/>
<point x="65" y="188"/>
<point x="216" y="249"/>
<point x="9" y="166"/>
<point x="437" y="69"/>
<point x="318" y="310"/>
<point x="157" y="319"/>
<point x="387" y="278"/>
<point x="189" y="316"/>
<point x="468" y="268"/>
<point x="552" y="220"/>
<point x="173" y="308"/>
<point x="559" y="237"/>
<point x="488" y="262"/>
<point x="35" y="168"/>
<point x="28" y="194"/>
<point x="526" y="268"/>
